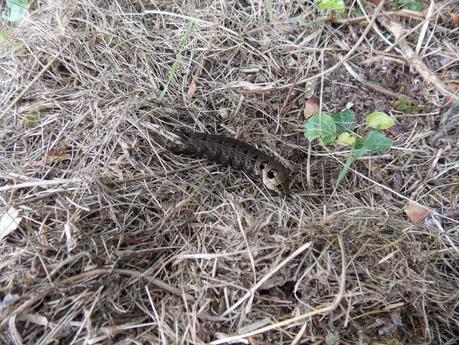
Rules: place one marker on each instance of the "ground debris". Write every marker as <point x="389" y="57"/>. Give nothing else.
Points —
<point x="116" y="239"/>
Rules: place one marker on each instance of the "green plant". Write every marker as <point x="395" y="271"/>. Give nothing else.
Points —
<point x="340" y="127"/>
<point x="4" y="38"/>
<point x="270" y="10"/>
<point x="335" y="5"/>
<point x="15" y="10"/>
<point x="406" y="105"/>
<point x="32" y="118"/>
<point x="178" y="58"/>
<point x="413" y="5"/>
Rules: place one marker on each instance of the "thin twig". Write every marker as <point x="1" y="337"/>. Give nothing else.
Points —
<point x="34" y="80"/>
<point x="412" y="58"/>
<point x="269" y="87"/>
<point x="449" y="122"/>
<point x="102" y="271"/>
<point x="374" y="87"/>
<point x="266" y="277"/>
<point x="304" y="316"/>
<point x="41" y="183"/>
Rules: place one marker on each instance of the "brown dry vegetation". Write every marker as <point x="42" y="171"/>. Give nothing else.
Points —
<point x="123" y="242"/>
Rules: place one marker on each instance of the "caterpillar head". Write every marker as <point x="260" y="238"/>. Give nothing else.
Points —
<point x="273" y="175"/>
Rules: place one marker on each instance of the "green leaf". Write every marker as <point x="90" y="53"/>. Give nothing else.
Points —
<point x="174" y="68"/>
<point x="321" y="126"/>
<point x="345" y="121"/>
<point x="5" y="38"/>
<point x="405" y="105"/>
<point x="163" y="92"/>
<point x="346" y="138"/>
<point x="380" y="120"/>
<point x="376" y="142"/>
<point x="270" y="10"/>
<point x="32" y="118"/>
<point x="178" y="59"/>
<point x="355" y="155"/>
<point x="307" y="24"/>
<point x="413" y="5"/>
<point x="358" y="143"/>
<point x="186" y="37"/>
<point x="359" y="12"/>
<point x="337" y="5"/>
<point x="16" y="10"/>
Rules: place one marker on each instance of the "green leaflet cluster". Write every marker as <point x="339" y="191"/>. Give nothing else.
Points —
<point x="341" y="128"/>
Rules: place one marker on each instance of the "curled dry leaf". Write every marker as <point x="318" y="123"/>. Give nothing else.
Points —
<point x="416" y="213"/>
<point x="225" y="113"/>
<point x="454" y="19"/>
<point x="54" y="156"/>
<point x="59" y="157"/>
<point x="192" y="89"/>
<point x="454" y="85"/>
<point x="251" y="87"/>
<point x="311" y="106"/>
<point x="9" y="222"/>
<point x="69" y="239"/>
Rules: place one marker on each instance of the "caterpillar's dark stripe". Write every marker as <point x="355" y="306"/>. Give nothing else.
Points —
<point x="234" y="153"/>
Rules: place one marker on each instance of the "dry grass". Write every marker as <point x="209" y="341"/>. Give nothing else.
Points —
<point x="124" y="242"/>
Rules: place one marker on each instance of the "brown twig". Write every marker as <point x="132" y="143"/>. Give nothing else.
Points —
<point x="412" y="58"/>
<point x="102" y="271"/>
<point x="374" y="87"/>
<point x="304" y="316"/>
<point x="448" y="123"/>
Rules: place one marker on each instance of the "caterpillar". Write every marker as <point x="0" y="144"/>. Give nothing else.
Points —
<point x="235" y="153"/>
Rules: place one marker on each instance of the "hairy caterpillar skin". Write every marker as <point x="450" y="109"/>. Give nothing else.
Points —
<point x="234" y="153"/>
